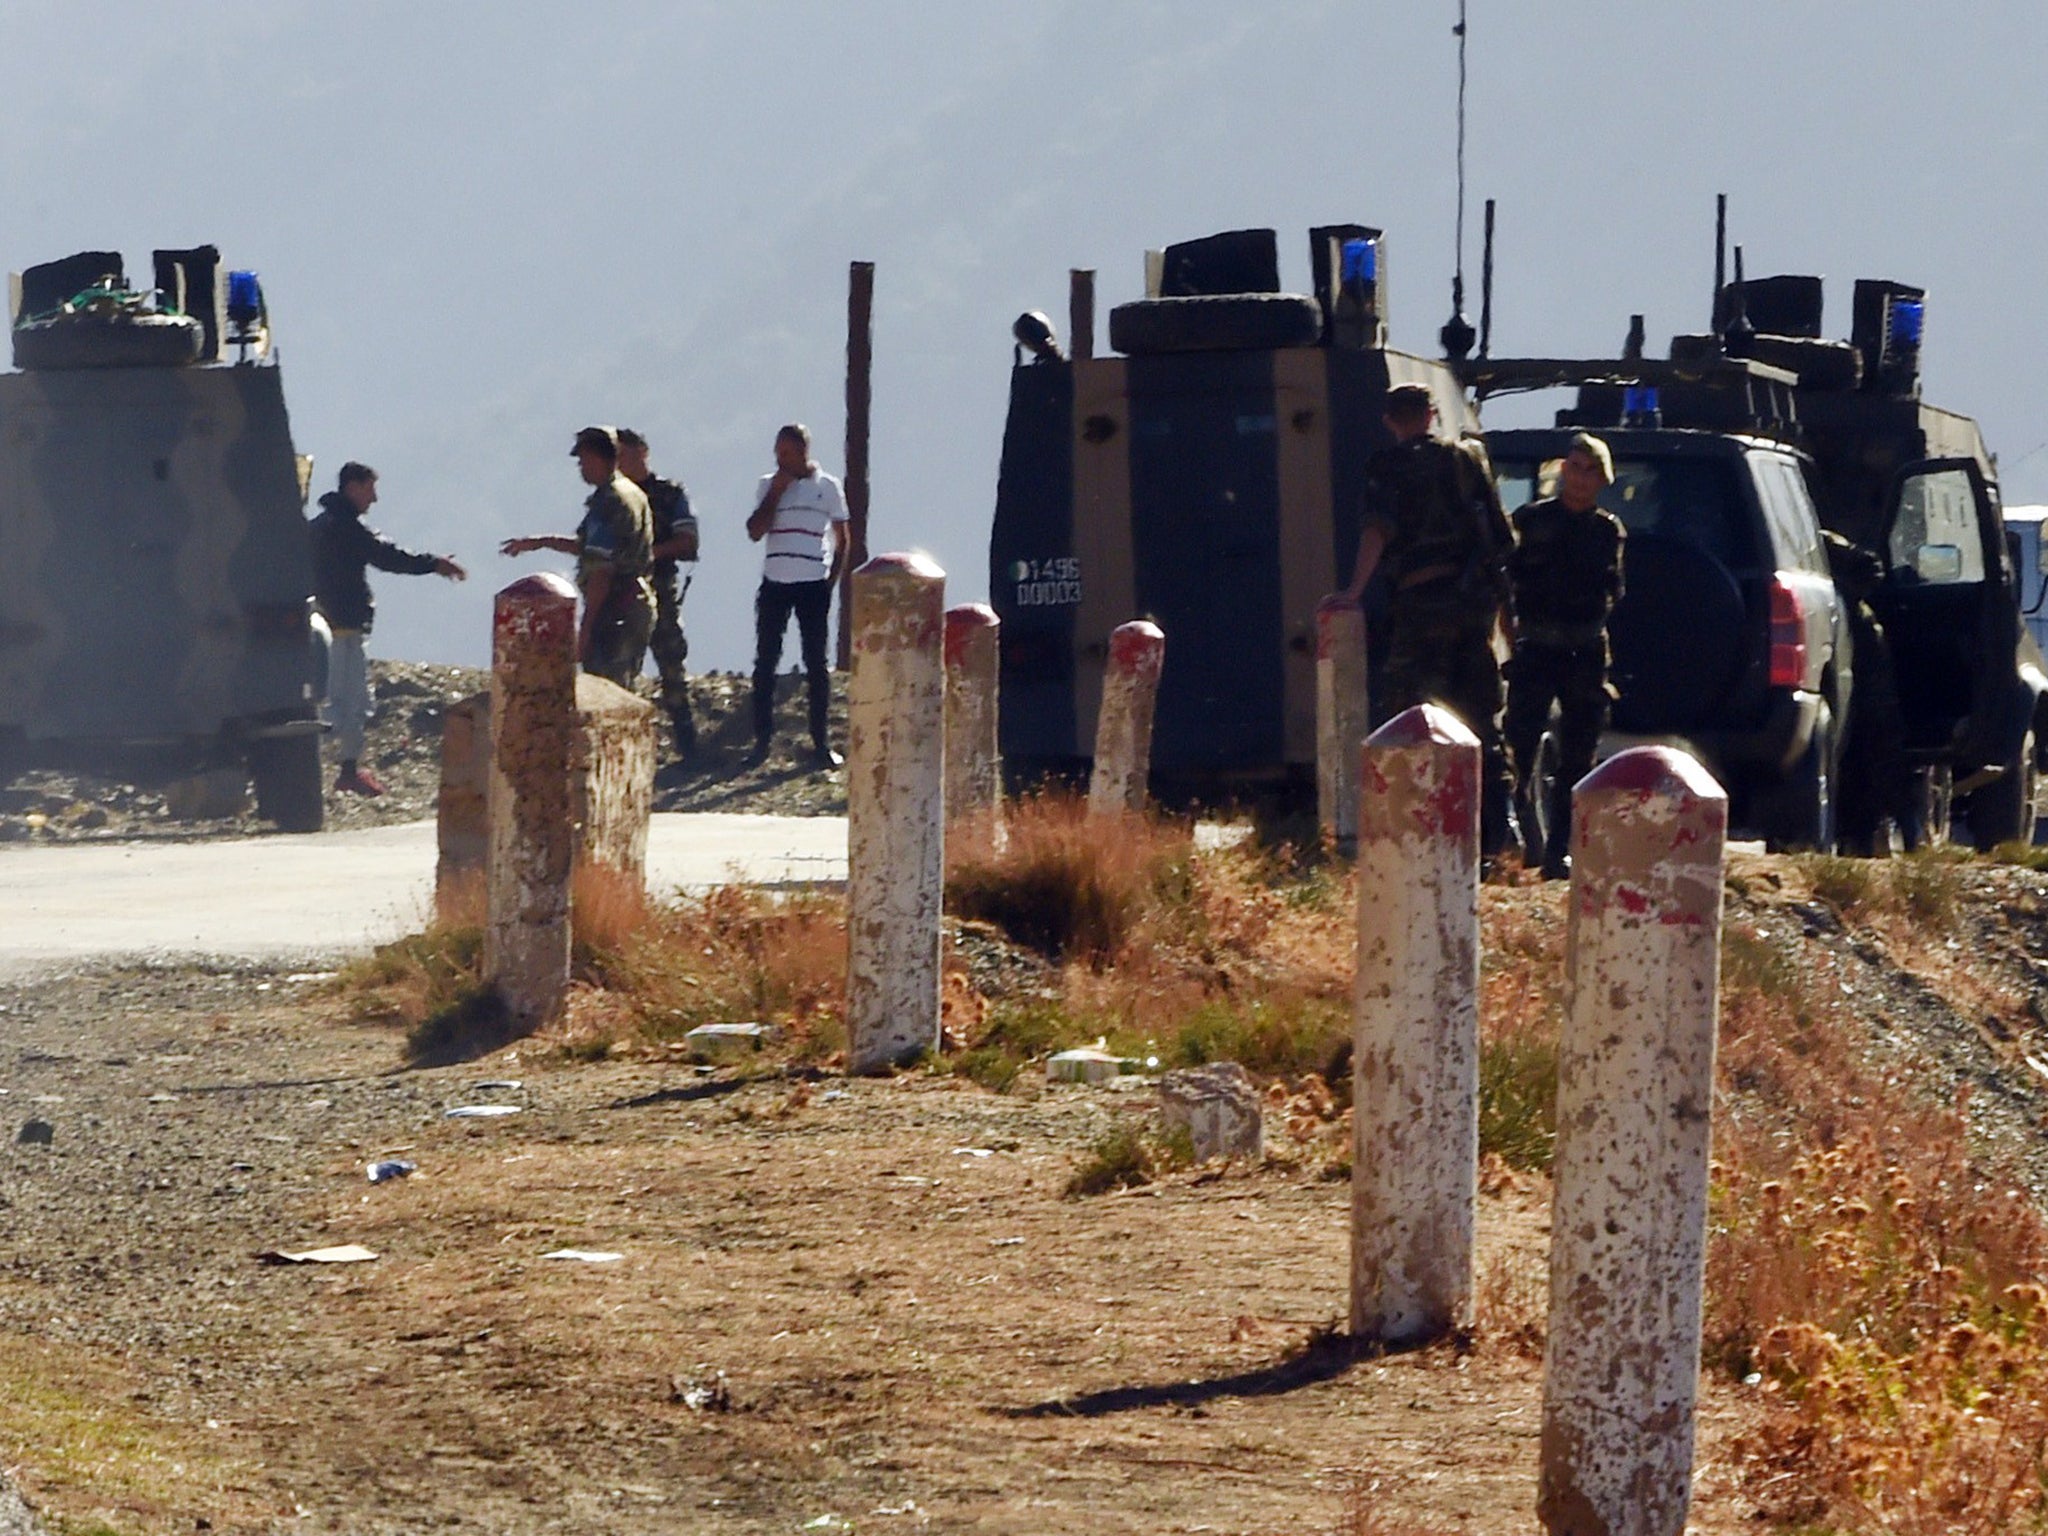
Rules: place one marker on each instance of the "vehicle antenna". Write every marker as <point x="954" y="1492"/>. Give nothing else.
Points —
<point x="1486" y="288"/>
<point x="1457" y="334"/>
<point x="1720" y="260"/>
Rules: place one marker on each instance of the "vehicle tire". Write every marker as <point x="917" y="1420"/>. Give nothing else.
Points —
<point x="1233" y="322"/>
<point x="288" y="781"/>
<point x="1799" y="814"/>
<point x="2003" y="810"/>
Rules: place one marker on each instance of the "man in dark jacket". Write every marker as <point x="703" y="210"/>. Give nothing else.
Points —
<point x="1566" y="573"/>
<point x="343" y="552"/>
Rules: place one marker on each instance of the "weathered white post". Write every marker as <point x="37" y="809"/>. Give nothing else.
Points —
<point x="533" y="830"/>
<point x="895" y="811"/>
<point x="1123" y="730"/>
<point x="973" y="758"/>
<point x="1634" y="1100"/>
<point x="1341" y="715"/>
<point x="1415" y="1048"/>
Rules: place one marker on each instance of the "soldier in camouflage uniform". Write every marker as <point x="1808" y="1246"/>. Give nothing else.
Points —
<point x="1434" y="520"/>
<point x="612" y="547"/>
<point x="675" y="541"/>
<point x="1565" y="573"/>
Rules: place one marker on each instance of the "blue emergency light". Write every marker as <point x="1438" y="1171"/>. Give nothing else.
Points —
<point x="1908" y="317"/>
<point x="245" y="299"/>
<point x="1361" y="261"/>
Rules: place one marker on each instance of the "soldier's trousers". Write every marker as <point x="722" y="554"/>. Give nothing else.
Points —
<point x="1575" y="679"/>
<point x="1447" y="659"/>
<point x="671" y="648"/>
<point x="618" y="640"/>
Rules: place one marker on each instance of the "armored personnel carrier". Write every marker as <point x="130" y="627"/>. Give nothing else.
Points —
<point x="1207" y="476"/>
<point x="153" y="554"/>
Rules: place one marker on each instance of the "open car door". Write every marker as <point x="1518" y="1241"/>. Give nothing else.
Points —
<point x="1948" y="611"/>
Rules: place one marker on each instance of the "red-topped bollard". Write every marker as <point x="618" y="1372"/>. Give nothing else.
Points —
<point x="532" y="824"/>
<point x="973" y="756"/>
<point x="1415" y="1048"/>
<point x="1123" y="730"/>
<point x="1634" y="1106"/>
<point x="1341" y="715"/>
<point x="895" y="811"/>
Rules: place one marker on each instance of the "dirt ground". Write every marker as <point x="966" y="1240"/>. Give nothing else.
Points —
<point x="840" y="1304"/>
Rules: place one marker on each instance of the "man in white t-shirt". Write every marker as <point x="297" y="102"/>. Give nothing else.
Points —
<point x="798" y="512"/>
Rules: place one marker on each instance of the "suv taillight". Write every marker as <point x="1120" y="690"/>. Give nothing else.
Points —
<point x="1788" y="637"/>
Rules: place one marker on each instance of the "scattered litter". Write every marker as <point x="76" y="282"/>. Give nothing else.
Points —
<point x="304" y="976"/>
<point x="2037" y="1064"/>
<point x="827" y="1523"/>
<point x="585" y="1255"/>
<point x="716" y="1041"/>
<point x="319" y="1103"/>
<point x="1006" y="1242"/>
<point x="714" y="1396"/>
<point x="833" y="1093"/>
<point x="162" y="1098"/>
<point x="47" y="1098"/>
<point x="498" y="1085"/>
<point x="347" y="1253"/>
<point x="480" y="1111"/>
<point x="389" y="1168"/>
<point x="907" y="1507"/>
<point x="35" y="1133"/>
<point x="973" y="1152"/>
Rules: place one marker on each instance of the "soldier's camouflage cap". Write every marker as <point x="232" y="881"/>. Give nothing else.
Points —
<point x="1596" y="450"/>
<point x="603" y="439"/>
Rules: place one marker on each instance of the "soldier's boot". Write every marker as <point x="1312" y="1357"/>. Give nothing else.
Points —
<point x="1557" y="856"/>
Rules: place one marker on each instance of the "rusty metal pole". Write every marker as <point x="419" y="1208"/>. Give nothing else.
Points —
<point x="1341" y="716"/>
<point x="1635" y="1092"/>
<point x="895" y="812"/>
<point x="1415" y="1047"/>
<point x="1080" y="313"/>
<point x="1123" y="729"/>
<point x="973" y="758"/>
<point x="533" y="827"/>
<point x="860" y="365"/>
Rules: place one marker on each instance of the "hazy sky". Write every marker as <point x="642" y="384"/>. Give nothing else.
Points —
<point x="481" y="226"/>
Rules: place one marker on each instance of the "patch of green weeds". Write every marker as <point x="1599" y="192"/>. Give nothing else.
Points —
<point x="1518" y="1099"/>
<point x="1128" y="1157"/>
<point x="1282" y="1038"/>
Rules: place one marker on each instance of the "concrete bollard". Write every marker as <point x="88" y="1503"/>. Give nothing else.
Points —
<point x="1634" y="1101"/>
<point x="973" y="758"/>
<point x="1123" y="730"/>
<point x="533" y="830"/>
<point x="895" y="811"/>
<point x="1341" y="716"/>
<point x="1415" y="1054"/>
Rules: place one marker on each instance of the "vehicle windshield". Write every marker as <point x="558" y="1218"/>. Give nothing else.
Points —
<point x="1692" y="499"/>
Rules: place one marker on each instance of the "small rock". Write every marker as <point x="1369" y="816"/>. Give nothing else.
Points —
<point x="1219" y="1108"/>
<point x="35" y="1133"/>
<point x="1086" y="1065"/>
<point x="713" y="1042"/>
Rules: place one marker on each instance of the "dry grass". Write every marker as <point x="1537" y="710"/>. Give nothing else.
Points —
<point x="1880" y="1288"/>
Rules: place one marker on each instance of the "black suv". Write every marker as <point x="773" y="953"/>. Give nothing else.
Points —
<point x="1730" y="638"/>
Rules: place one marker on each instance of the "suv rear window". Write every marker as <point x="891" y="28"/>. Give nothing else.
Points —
<point x="1696" y="500"/>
